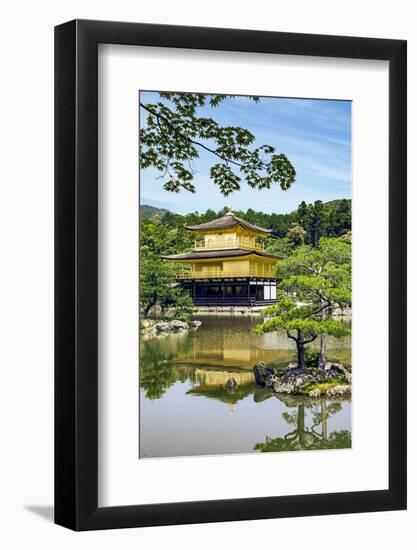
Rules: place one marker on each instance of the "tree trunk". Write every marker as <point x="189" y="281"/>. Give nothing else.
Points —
<point x="300" y="350"/>
<point x="148" y="308"/>
<point x="322" y="355"/>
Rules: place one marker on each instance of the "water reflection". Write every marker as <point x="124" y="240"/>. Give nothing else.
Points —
<point x="229" y="341"/>
<point x="186" y="410"/>
<point x="210" y="383"/>
<point x="305" y="437"/>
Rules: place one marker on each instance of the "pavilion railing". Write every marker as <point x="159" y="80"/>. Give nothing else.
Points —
<point x="254" y="271"/>
<point x="226" y="243"/>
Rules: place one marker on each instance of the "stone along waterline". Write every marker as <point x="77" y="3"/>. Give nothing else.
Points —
<point x="185" y="409"/>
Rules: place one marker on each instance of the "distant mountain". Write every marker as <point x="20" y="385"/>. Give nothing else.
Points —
<point x="152" y="213"/>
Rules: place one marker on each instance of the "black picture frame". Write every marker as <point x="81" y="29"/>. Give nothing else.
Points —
<point x="76" y="272"/>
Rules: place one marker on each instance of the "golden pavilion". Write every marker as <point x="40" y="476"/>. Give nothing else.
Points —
<point x="228" y="265"/>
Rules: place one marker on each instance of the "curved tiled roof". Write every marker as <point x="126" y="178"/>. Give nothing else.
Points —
<point x="218" y="254"/>
<point x="227" y="221"/>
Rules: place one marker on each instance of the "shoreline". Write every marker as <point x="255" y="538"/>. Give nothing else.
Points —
<point x="253" y="310"/>
<point x="227" y="310"/>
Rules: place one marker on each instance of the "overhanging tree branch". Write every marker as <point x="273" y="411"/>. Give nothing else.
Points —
<point x="177" y="132"/>
<point x="159" y="117"/>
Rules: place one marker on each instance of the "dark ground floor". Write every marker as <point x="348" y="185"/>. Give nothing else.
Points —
<point x="244" y="291"/>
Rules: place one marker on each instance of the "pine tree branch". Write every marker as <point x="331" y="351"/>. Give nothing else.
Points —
<point x="289" y="335"/>
<point x="309" y="340"/>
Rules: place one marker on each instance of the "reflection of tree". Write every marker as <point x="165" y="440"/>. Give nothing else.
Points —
<point x="308" y="438"/>
<point x="157" y="372"/>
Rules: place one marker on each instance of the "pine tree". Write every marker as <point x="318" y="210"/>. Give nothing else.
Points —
<point x="313" y="281"/>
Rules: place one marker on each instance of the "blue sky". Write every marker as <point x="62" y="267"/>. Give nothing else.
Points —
<point x="314" y="134"/>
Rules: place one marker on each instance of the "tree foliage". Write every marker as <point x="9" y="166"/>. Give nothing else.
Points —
<point x="157" y="275"/>
<point x="319" y="219"/>
<point x="175" y="132"/>
<point x="296" y="235"/>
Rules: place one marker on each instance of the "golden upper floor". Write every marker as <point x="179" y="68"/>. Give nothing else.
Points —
<point x="228" y="232"/>
<point x="228" y="240"/>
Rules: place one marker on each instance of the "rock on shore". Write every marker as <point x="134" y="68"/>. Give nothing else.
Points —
<point x="262" y="373"/>
<point x="295" y="379"/>
<point x="160" y="328"/>
<point x="340" y="390"/>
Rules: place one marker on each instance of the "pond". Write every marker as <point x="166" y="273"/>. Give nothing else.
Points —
<point x="186" y="411"/>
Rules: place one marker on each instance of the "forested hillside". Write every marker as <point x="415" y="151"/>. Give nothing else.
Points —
<point x="152" y="213"/>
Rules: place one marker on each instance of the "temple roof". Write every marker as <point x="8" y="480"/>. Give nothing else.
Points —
<point x="232" y="253"/>
<point x="227" y="221"/>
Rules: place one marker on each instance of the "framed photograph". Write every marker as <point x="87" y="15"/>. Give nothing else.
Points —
<point x="230" y="275"/>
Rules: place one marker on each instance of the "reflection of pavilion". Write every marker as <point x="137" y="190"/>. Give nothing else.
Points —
<point x="211" y="385"/>
<point x="212" y="377"/>
<point x="230" y="355"/>
<point x="232" y="345"/>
